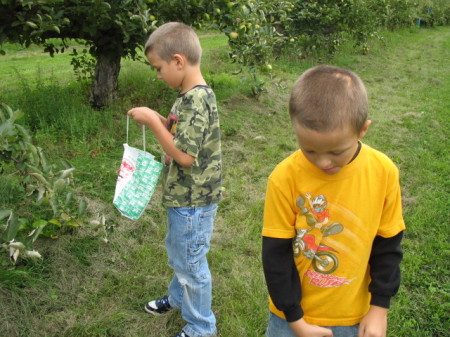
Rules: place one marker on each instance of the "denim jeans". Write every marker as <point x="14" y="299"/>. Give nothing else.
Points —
<point x="279" y="327"/>
<point x="187" y="243"/>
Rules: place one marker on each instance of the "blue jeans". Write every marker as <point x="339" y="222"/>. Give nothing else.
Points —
<point x="187" y="243"/>
<point x="279" y="327"/>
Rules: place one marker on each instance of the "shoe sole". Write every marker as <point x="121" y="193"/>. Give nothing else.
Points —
<point x="152" y="312"/>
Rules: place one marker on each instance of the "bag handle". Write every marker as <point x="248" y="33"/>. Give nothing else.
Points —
<point x="143" y="131"/>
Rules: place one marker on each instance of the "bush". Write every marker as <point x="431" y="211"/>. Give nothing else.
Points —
<point x="259" y="30"/>
<point x="433" y="13"/>
<point x="43" y="202"/>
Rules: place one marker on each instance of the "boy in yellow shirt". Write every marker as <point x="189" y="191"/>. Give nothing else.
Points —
<point x="333" y="219"/>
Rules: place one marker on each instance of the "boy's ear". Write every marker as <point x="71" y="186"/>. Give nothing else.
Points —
<point x="179" y="60"/>
<point x="364" y="129"/>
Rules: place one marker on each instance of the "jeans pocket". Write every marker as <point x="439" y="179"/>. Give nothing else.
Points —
<point x="185" y="212"/>
<point x="197" y="252"/>
<point x="199" y="245"/>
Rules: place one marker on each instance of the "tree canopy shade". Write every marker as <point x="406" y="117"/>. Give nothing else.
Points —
<point x="110" y="29"/>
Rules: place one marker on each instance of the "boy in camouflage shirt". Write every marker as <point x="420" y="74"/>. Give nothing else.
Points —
<point x="190" y="137"/>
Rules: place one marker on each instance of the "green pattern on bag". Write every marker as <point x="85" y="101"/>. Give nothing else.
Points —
<point x="133" y="198"/>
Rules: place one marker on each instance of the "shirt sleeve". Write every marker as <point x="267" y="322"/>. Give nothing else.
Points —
<point x="384" y="265"/>
<point x="392" y="217"/>
<point x="192" y="123"/>
<point x="281" y="274"/>
<point x="279" y="210"/>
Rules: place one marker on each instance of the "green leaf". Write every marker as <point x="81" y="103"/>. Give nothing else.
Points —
<point x="59" y="185"/>
<point x="56" y="29"/>
<point x="106" y="5"/>
<point x="42" y="157"/>
<point x="39" y="223"/>
<point x="34" y="154"/>
<point x="66" y="164"/>
<point x="55" y="222"/>
<point x="34" y="235"/>
<point x="12" y="226"/>
<point x="24" y="132"/>
<point x="35" y="32"/>
<point x="31" y="24"/>
<point x="82" y="207"/>
<point x="17" y="115"/>
<point x="4" y="213"/>
<point x="41" y="195"/>
<point x="41" y="179"/>
<point x="53" y="204"/>
<point x="69" y="198"/>
<point x="2" y="116"/>
<point x="72" y="223"/>
<point x="66" y="173"/>
<point x="8" y="110"/>
<point x="34" y="169"/>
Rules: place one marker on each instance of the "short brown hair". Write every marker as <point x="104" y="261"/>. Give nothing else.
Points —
<point x="327" y="97"/>
<point x="175" y="38"/>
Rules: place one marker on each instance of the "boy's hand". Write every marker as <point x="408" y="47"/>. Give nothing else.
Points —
<point x="303" y="329"/>
<point x="374" y="324"/>
<point x="144" y="115"/>
<point x="155" y="122"/>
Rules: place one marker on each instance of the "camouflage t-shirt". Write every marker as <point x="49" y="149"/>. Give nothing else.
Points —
<point x="194" y="122"/>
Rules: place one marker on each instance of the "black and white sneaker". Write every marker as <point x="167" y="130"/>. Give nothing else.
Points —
<point x="181" y="334"/>
<point x="159" y="306"/>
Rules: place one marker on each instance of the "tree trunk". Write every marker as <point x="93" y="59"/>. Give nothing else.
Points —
<point x="106" y="80"/>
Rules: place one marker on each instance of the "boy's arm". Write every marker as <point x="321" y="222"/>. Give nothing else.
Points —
<point x="155" y="122"/>
<point x="284" y="286"/>
<point x="302" y="329"/>
<point x="374" y="323"/>
<point x="384" y="264"/>
<point x="161" y="118"/>
<point x="282" y="277"/>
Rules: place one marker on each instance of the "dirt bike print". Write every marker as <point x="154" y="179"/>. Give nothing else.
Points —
<point x="324" y="259"/>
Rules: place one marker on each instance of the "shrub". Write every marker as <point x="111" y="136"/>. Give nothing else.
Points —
<point x="43" y="202"/>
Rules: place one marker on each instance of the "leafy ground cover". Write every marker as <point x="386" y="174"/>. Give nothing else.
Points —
<point x="85" y="287"/>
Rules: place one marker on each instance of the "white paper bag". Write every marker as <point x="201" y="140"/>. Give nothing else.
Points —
<point x="138" y="176"/>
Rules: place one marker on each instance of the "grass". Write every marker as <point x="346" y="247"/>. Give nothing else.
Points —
<point x="84" y="287"/>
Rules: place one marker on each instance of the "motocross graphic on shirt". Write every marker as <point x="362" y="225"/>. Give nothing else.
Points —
<point x="311" y="242"/>
<point x="324" y="259"/>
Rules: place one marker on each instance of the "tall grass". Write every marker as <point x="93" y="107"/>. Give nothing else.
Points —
<point x="84" y="287"/>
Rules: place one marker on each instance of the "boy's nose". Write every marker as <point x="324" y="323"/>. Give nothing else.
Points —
<point x="323" y="162"/>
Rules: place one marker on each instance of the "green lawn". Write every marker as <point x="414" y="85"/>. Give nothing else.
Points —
<point x="85" y="287"/>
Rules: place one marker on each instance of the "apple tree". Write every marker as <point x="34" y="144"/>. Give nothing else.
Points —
<point x="109" y="29"/>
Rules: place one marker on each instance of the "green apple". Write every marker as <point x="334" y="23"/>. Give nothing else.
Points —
<point x="267" y="67"/>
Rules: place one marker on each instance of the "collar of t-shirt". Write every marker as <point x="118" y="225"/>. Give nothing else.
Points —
<point x="197" y="86"/>
<point x="356" y="152"/>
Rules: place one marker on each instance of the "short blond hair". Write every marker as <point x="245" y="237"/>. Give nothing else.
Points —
<point x="326" y="97"/>
<point x="175" y="38"/>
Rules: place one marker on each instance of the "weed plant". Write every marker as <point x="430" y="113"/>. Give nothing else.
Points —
<point x="85" y="287"/>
